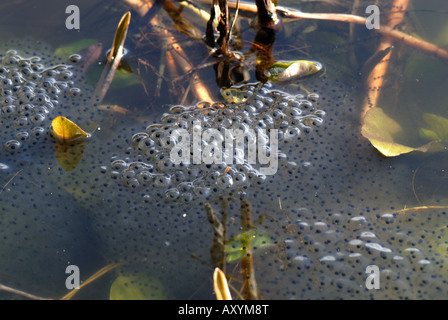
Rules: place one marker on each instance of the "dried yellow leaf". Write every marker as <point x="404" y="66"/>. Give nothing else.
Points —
<point x="66" y="130"/>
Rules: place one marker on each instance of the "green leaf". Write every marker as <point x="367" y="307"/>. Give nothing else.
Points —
<point x="236" y="248"/>
<point x="73" y="47"/>
<point x="438" y="126"/>
<point x="137" y="287"/>
<point x="380" y="129"/>
<point x="283" y="71"/>
<point x="428" y="134"/>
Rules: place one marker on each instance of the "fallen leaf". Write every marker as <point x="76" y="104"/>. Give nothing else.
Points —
<point x="137" y="287"/>
<point x="438" y="127"/>
<point x="220" y="285"/>
<point x="66" y="130"/>
<point x="380" y="129"/>
<point x="284" y="71"/>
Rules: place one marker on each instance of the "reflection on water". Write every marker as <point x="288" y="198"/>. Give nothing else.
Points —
<point x="334" y="208"/>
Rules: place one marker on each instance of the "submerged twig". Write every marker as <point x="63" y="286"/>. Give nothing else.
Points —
<point x="92" y="278"/>
<point x="250" y="286"/>
<point x="217" y="250"/>
<point x="397" y="35"/>
<point x="9" y="181"/>
<point x="21" y="293"/>
<point x="267" y="15"/>
<point x="377" y="76"/>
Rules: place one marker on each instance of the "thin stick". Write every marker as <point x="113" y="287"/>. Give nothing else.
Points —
<point x="9" y="181"/>
<point x="250" y="286"/>
<point x="21" y="293"/>
<point x="95" y="276"/>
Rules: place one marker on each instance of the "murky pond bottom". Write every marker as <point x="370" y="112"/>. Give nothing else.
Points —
<point x="333" y="209"/>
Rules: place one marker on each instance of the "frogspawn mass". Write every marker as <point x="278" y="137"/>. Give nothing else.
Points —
<point x="330" y="210"/>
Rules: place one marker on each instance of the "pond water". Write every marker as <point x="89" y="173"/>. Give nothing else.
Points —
<point x="335" y="206"/>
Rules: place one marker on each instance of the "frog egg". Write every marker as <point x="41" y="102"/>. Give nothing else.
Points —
<point x="37" y="118"/>
<point x="37" y="67"/>
<point x="22" y="136"/>
<point x="132" y="183"/>
<point x="12" y="145"/>
<point x="167" y="141"/>
<point x="277" y="114"/>
<point x="41" y="99"/>
<point x="9" y="109"/>
<point x="293" y="111"/>
<point x="305" y="129"/>
<point x="165" y="164"/>
<point x="65" y="75"/>
<point x="292" y="132"/>
<point x="74" y="92"/>
<point x="145" y="177"/>
<point x="178" y="109"/>
<point x="202" y="191"/>
<point x="21" y="122"/>
<point x="239" y="178"/>
<point x="146" y="144"/>
<point x="25" y="109"/>
<point x="268" y="101"/>
<point x="320" y="113"/>
<point x="178" y="177"/>
<point x="305" y="104"/>
<point x="10" y="60"/>
<point x="260" y="124"/>
<point x="313" y="97"/>
<point x="224" y="180"/>
<point x="317" y="121"/>
<point x="186" y="197"/>
<point x="185" y="186"/>
<point x="37" y="132"/>
<point x="251" y="109"/>
<point x="161" y="181"/>
<point x="27" y="72"/>
<point x="17" y="78"/>
<point x="268" y="120"/>
<point x="49" y="73"/>
<point x="118" y="165"/>
<point x="136" y="138"/>
<point x="128" y="174"/>
<point x="156" y="135"/>
<point x="6" y="83"/>
<point x="172" y="194"/>
<point x="282" y="124"/>
<point x="8" y="100"/>
<point x="258" y="104"/>
<point x="74" y="58"/>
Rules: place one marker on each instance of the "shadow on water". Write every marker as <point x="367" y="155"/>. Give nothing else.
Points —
<point x="334" y="207"/>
